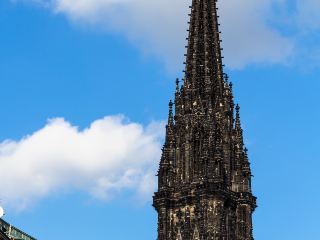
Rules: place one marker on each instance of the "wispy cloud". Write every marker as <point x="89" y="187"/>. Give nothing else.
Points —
<point x="308" y="14"/>
<point x="158" y="27"/>
<point x="111" y="156"/>
<point x="248" y="38"/>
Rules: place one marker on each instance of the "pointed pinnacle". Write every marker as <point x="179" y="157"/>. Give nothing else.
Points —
<point x="238" y="121"/>
<point x="170" y="120"/>
<point x="246" y="158"/>
<point x="177" y="85"/>
<point x="238" y="110"/>
<point x="226" y="78"/>
<point x="170" y="106"/>
<point x="231" y="85"/>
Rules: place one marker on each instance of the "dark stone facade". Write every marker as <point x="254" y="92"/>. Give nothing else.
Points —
<point x="204" y="177"/>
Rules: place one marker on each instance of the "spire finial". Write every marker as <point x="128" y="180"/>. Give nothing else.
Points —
<point x="170" y="106"/>
<point x="226" y="78"/>
<point x="246" y="158"/>
<point x="238" y="121"/>
<point x="170" y="127"/>
<point x="177" y="85"/>
<point x="246" y="152"/>
<point x="170" y="119"/>
<point x="231" y="85"/>
<point x="238" y="110"/>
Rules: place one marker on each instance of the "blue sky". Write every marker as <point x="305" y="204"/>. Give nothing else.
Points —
<point x="112" y="64"/>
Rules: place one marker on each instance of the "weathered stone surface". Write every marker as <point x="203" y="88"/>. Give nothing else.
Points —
<point x="204" y="177"/>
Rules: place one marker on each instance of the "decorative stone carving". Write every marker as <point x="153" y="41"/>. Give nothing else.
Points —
<point x="204" y="175"/>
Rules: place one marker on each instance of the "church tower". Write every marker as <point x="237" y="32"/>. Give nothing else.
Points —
<point x="204" y="177"/>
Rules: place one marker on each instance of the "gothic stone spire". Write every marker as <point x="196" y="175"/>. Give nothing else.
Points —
<point x="204" y="73"/>
<point x="204" y="173"/>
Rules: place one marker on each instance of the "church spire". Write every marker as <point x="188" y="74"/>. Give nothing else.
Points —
<point x="204" y="69"/>
<point x="204" y="177"/>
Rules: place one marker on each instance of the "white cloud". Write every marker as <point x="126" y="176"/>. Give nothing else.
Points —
<point x="110" y="156"/>
<point x="308" y="14"/>
<point x="158" y="27"/>
<point x="247" y="37"/>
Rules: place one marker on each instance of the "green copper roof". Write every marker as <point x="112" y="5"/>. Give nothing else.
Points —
<point x="13" y="232"/>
